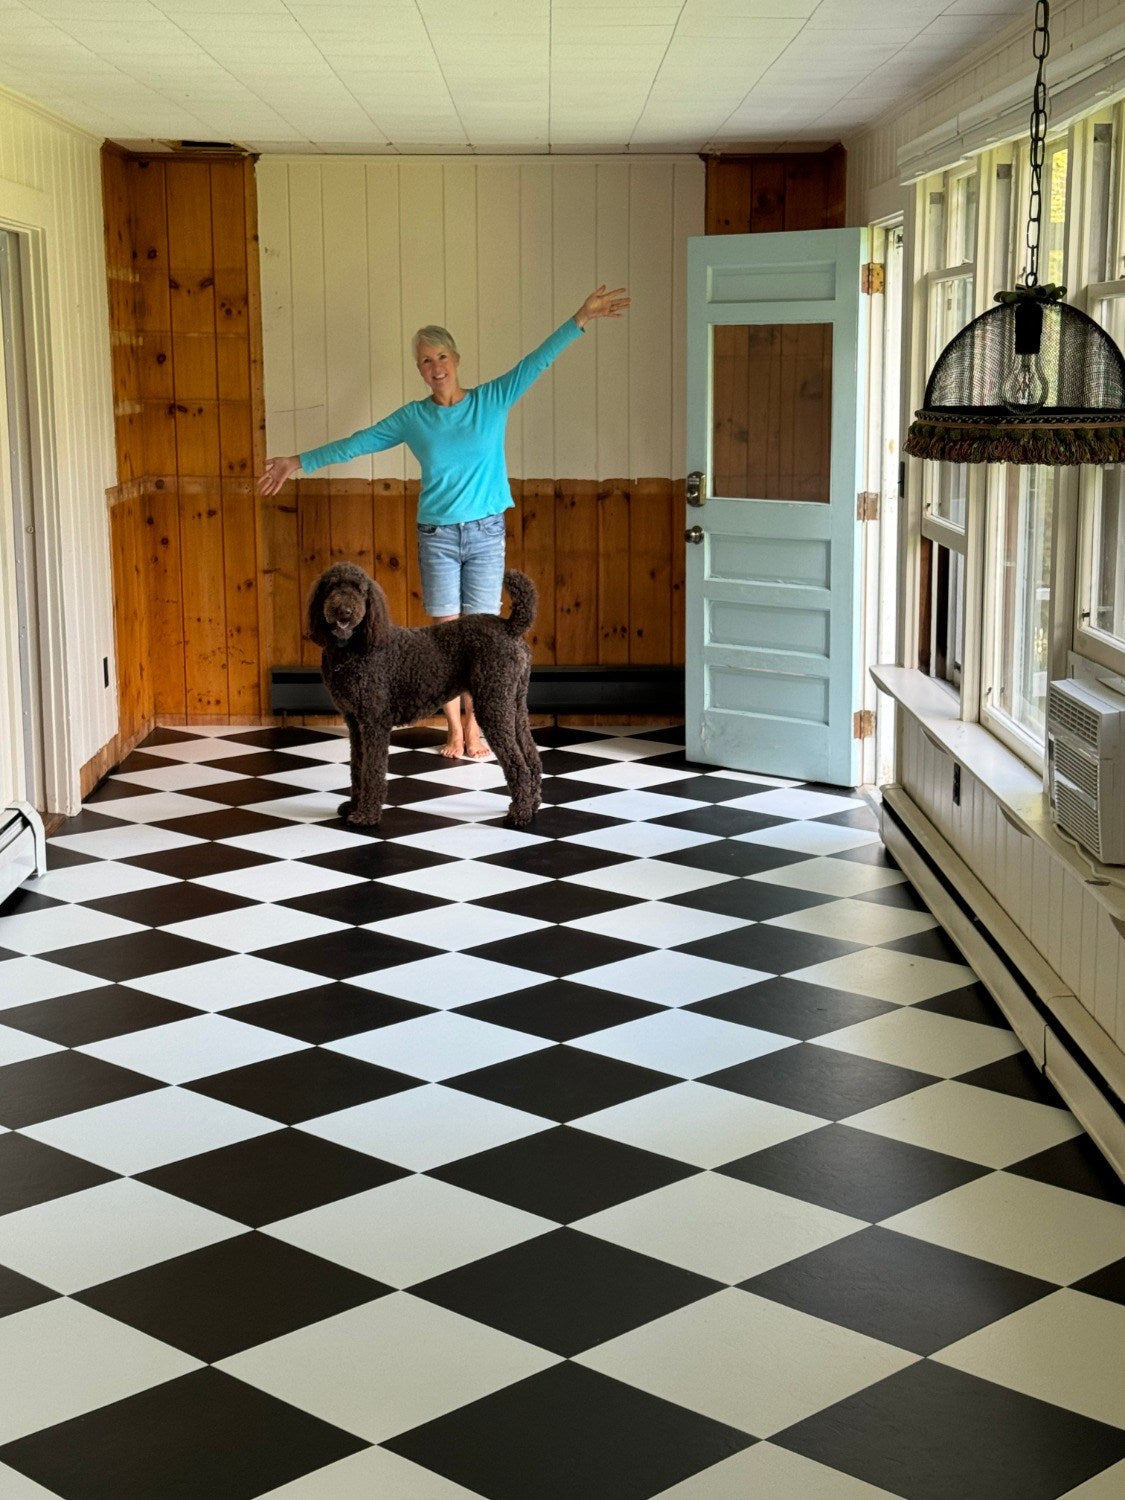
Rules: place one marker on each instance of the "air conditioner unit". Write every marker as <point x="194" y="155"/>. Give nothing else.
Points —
<point x="1086" y="765"/>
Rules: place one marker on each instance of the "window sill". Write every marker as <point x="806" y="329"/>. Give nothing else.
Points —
<point x="1016" y="787"/>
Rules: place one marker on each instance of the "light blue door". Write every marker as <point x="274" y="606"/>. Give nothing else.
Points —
<point x="776" y="361"/>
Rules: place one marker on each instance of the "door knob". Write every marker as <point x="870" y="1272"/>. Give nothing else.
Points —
<point x="694" y="534"/>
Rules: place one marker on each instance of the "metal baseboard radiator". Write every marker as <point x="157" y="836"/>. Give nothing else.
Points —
<point x="23" y="846"/>
<point x="554" y="690"/>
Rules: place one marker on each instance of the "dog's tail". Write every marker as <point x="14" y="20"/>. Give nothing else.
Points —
<point x="522" y="593"/>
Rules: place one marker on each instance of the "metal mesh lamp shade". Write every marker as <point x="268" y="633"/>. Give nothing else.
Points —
<point x="1031" y="381"/>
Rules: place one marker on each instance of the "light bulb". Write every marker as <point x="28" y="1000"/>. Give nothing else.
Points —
<point x="1024" y="387"/>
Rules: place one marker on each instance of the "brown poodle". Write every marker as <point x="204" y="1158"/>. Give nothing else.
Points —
<point x="379" y="675"/>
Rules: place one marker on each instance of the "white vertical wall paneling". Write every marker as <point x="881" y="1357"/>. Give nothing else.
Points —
<point x="688" y="219"/>
<point x="278" y="298"/>
<point x="422" y="267"/>
<point x="347" y="322"/>
<point x="650" y="321"/>
<point x="499" y="338"/>
<point x="63" y="167"/>
<point x="536" y="310"/>
<point x="612" y="350"/>
<point x="306" y="250"/>
<point x="575" y="274"/>
<point x="387" y="338"/>
<point x="462" y="313"/>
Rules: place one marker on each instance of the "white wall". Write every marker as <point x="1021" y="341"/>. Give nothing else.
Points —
<point x="985" y="98"/>
<point x="50" y="188"/>
<point x="356" y="253"/>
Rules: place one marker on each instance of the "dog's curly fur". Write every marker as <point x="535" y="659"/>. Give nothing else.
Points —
<point x="380" y="675"/>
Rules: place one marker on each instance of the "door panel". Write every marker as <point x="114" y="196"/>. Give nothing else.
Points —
<point x="775" y="346"/>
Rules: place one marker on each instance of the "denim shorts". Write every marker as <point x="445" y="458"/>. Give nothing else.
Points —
<point x="462" y="566"/>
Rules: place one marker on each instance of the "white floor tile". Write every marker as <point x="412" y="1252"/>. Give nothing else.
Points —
<point x="158" y="807"/>
<point x="467" y="841"/>
<point x="857" y="921"/>
<point x="449" y="979"/>
<point x="224" y="983"/>
<point x="683" y="1043"/>
<point x="831" y="877"/>
<point x="720" y="1227"/>
<point x="1108" y="1485"/>
<point x="747" y="1361"/>
<point x="180" y="777"/>
<point x="21" y="1046"/>
<point x="440" y="1046"/>
<point x="426" y="1127"/>
<point x="669" y="977"/>
<point x="810" y="838"/>
<point x="95" y="881"/>
<point x="15" y="1486"/>
<point x="651" y="879"/>
<point x="248" y="928"/>
<point x="333" y="747"/>
<point x="886" y="974"/>
<point x="306" y="806"/>
<point x="477" y="776"/>
<point x="124" y="842"/>
<point x="279" y="880"/>
<point x="408" y="1362"/>
<point x="209" y="747"/>
<point x="409" y="1230"/>
<point x="624" y="747"/>
<point x="1066" y="1349"/>
<point x="980" y="1125"/>
<point x="365" y="1476"/>
<point x="92" y="1236"/>
<point x="641" y="840"/>
<point x="913" y="1038"/>
<point x="60" y="1360"/>
<point x="148" y="1130"/>
<point x="772" y="1474"/>
<point x="628" y="774"/>
<point x="468" y="807"/>
<point x="300" y="841"/>
<point x="23" y="980"/>
<point x="454" y="927"/>
<point x="635" y="804"/>
<point x="323" y="776"/>
<point x="658" y="924"/>
<point x="797" y="802"/>
<point x="1031" y="1226"/>
<point x="463" y="880"/>
<point x="196" y="1048"/>
<point x="696" y="1123"/>
<point x="51" y="927"/>
<point x="754" y="778"/>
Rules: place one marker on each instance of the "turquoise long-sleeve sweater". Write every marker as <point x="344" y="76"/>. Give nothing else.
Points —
<point x="460" y="447"/>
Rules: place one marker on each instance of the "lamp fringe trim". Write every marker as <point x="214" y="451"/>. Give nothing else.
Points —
<point x="1022" y="443"/>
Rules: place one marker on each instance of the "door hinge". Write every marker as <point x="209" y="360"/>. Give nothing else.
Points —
<point x="872" y="278"/>
<point x="867" y="505"/>
<point x="863" y="724"/>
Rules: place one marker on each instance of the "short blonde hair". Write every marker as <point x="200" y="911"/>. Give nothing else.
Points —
<point x="436" y="337"/>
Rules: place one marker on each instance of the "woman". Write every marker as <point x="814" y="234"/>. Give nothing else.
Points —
<point x="457" y="436"/>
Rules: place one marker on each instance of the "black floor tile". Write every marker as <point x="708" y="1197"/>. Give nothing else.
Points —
<point x="554" y="859"/>
<point x="204" y="1434"/>
<point x="110" y="791"/>
<point x="302" y="1085"/>
<point x="820" y="1080"/>
<point x="280" y="737"/>
<point x="569" y="1433"/>
<point x="23" y="900"/>
<point x="852" y="817"/>
<point x="854" y="1171"/>
<point x="18" y="1293"/>
<point x="1076" y="1165"/>
<point x="240" y="792"/>
<point x="900" y="1290"/>
<point x="901" y="895"/>
<point x="62" y="1083"/>
<point x="715" y="789"/>
<point x="566" y="1291"/>
<point x="217" y="1301"/>
<point x="31" y="1173"/>
<point x="328" y="1012"/>
<point x="230" y="823"/>
<point x="377" y="859"/>
<point x="558" y="951"/>
<point x="198" y="860"/>
<point x="1108" y="1282"/>
<point x="272" y="1177"/>
<point x="559" y="1010"/>
<point x="561" y="1082"/>
<point x="932" y="943"/>
<point x="557" y="901"/>
<point x="263" y="763"/>
<point x="776" y="950"/>
<point x="567" y="822"/>
<point x="368" y="902"/>
<point x="725" y="822"/>
<point x="752" y="900"/>
<point x="930" y="1433"/>
<point x="563" y="1174"/>
<point x="972" y="1003"/>
<point x="94" y="1015"/>
<point x="734" y="857"/>
<point x="161" y="905"/>
<point x="793" y="1008"/>
<point x="1017" y="1076"/>
<point x="345" y="953"/>
<point x="136" y="955"/>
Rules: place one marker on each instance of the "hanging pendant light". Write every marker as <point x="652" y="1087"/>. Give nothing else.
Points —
<point x="1033" y="380"/>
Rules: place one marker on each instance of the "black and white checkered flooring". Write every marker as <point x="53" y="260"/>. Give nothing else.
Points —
<point x="665" y="1149"/>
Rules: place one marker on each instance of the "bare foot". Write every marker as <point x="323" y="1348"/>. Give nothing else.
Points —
<point x="454" y="747"/>
<point x="475" y="747"/>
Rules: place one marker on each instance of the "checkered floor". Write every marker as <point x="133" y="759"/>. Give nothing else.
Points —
<point x="667" y="1149"/>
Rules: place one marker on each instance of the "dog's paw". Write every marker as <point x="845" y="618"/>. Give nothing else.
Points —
<point x="360" y="819"/>
<point x="345" y="809"/>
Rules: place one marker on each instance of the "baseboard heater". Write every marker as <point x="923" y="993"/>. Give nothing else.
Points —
<point x="554" y="690"/>
<point x="23" y="846"/>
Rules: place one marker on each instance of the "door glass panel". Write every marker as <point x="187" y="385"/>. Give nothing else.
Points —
<point x="771" y="403"/>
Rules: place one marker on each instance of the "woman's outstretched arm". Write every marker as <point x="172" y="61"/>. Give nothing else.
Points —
<point x="384" y="434"/>
<point x="507" y="389"/>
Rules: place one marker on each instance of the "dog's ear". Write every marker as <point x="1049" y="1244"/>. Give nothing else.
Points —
<point x="316" y="625"/>
<point x="375" y="626"/>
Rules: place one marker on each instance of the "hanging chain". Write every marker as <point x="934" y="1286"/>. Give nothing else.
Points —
<point x="1041" y="45"/>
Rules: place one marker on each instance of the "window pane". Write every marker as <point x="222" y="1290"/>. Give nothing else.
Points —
<point x="1053" y="225"/>
<point x="1101" y="201"/>
<point x="1107" y="571"/>
<point x="951" y="307"/>
<point x="1024" y="596"/>
<point x="963" y="226"/>
<point x="771" y="403"/>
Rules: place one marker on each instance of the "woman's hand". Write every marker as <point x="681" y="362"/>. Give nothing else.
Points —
<point x="602" y="304"/>
<point x="277" y="472"/>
